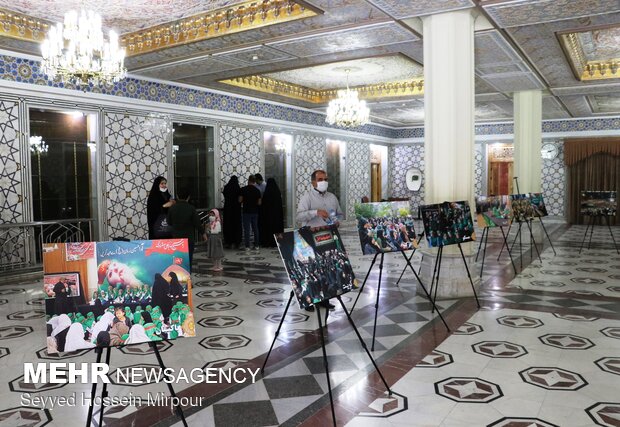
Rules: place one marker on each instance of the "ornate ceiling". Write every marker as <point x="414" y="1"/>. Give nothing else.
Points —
<point x="296" y="51"/>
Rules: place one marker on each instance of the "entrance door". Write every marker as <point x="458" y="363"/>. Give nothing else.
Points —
<point x="375" y="182"/>
<point x="500" y="177"/>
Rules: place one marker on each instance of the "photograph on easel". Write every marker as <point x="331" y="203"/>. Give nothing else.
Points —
<point x="385" y="227"/>
<point x="522" y="209"/>
<point x="598" y="203"/>
<point x="141" y="292"/>
<point x="448" y="223"/>
<point x="316" y="263"/>
<point x="493" y="211"/>
<point x="538" y="204"/>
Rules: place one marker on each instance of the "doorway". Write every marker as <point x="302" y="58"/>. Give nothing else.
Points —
<point x="500" y="167"/>
<point x="335" y="168"/>
<point x="278" y="165"/>
<point x="375" y="182"/>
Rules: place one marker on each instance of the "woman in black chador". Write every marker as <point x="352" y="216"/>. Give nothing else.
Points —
<point x="271" y="219"/>
<point x="232" y="213"/>
<point x="176" y="289"/>
<point x="62" y="303"/>
<point x="157" y="204"/>
<point x="160" y="295"/>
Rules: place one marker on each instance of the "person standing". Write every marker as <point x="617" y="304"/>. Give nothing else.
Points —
<point x="318" y="207"/>
<point x="184" y="220"/>
<point x="250" y="198"/>
<point x="260" y="183"/>
<point x="215" y="251"/>
<point x="271" y="218"/>
<point x="157" y="204"/>
<point x="232" y="213"/>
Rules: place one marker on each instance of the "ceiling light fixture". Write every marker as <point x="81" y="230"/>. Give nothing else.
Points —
<point x="158" y="125"/>
<point x="37" y="145"/>
<point x="77" y="53"/>
<point x="346" y="110"/>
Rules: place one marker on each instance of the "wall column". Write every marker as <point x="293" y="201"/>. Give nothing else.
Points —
<point x="528" y="140"/>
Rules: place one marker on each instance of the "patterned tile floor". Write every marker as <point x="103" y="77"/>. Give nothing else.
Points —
<point x="537" y="353"/>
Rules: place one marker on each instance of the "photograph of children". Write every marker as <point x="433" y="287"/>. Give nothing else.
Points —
<point x="598" y="203"/>
<point x="141" y="291"/>
<point x="385" y="227"/>
<point x="316" y="263"/>
<point x="538" y="204"/>
<point x="493" y="211"/>
<point x="522" y="209"/>
<point x="448" y="223"/>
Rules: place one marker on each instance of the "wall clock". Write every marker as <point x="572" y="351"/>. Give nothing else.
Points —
<point x="549" y="151"/>
<point x="414" y="179"/>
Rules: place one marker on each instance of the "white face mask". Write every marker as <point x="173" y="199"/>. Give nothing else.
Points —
<point x="163" y="189"/>
<point x="211" y="218"/>
<point x="321" y="186"/>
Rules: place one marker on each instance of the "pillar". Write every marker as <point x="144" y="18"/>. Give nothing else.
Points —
<point x="528" y="140"/>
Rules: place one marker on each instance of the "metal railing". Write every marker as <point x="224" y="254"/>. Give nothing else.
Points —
<point x="21" y="243"/>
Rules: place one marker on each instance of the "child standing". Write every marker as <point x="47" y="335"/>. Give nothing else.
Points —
<point x="215" y="249"/>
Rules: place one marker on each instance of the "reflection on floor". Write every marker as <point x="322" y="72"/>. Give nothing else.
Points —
<point x="544" y="349"/>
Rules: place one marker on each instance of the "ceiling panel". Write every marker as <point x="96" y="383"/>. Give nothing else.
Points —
<point x="405" y="9"/>
<point x="605" y="104"/>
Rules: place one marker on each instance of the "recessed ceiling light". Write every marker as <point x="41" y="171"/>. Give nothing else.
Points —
<point x="254" y="57"/>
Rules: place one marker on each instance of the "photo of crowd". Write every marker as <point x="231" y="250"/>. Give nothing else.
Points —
<point x="493" y="211"/>
<point x="385" y="227"/>
<point x="598" y="203"/>
<point x="133" y="292"/>
<point x="538" y="204"/>
<point x="522" y="209"/>
<point x="448" y="223"/>
<point x="316" y="263"/>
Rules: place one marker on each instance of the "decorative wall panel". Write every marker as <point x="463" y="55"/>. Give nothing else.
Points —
<point x="240" y="153"/>
<point x="133" y="158"/>
<point x="309" y="156"/>
<point x="479" y="168"/>
<point x="402" y="158"/>
<point x="358" y="174"/>
<point x="554" y="182"/>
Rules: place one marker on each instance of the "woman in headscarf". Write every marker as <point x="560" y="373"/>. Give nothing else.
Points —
<point x="271" y="217"/>
<point x="75" y="339"/>
<point x="137" y="335"/>
<point x="118" y="333"/>
<point x="60" y="331"/>
<point x="102" y="325"/>
<point x="232" y="213"/>
<point x="161" y="295"/>
<point x="102" y="339"/>
<point x="176" y="289"/>
<point x="157" y="204"/>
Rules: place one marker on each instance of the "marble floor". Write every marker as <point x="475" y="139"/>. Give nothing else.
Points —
<point x="543" y="350"/>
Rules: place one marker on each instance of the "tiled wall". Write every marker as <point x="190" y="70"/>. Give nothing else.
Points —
<point x="358" y="175"/>
<point x="553" y="182"/>
<point x="309" y="156"/>
<point x="401" y="159"/>
<point x="240" y="153"/>
<point x="11" y="193"/>
<point x="133" y="158"/>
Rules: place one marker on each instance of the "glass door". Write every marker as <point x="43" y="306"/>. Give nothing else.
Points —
<point x="278" y="165"/>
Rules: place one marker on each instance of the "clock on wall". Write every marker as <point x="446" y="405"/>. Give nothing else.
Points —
<point x="549" y="151"/>
<point x="414" y="179"/>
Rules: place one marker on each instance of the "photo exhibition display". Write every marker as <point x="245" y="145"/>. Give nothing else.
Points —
<point x="385" y="227"/>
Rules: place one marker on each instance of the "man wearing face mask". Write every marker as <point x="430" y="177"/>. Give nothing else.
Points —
<point x="184" y="221"/>
<point x="318" y="207"/>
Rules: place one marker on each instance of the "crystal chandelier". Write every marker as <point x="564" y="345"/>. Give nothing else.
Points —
<point x="77" y="53"/>
<point x="158" y="124"/>
<point x="346" y="110"/>
<point x="37" y="145"/>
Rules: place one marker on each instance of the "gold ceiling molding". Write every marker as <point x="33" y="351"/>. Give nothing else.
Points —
<point x="583" y="69"/>
<point x="245" y="16"/>
<point x="22" y="27"/>
<point x="368" y="92"/>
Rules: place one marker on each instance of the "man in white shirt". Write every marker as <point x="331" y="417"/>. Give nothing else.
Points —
<point x="317" y="208"/>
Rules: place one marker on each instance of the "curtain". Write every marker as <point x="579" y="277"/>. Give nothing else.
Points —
<point x="596" y="172"/>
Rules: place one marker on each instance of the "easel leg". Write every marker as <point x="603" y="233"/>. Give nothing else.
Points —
<point x="104" y="393"/>
<point x="93" y="391"/>
<point x="611" y="233"/>
<point x="329" y="386"/>
<point x="591" y="232"/>
<point x="547" y="234"/>
<point x="179" y="410"/>
<point x="435" y="270"/>
<point x="506" y="240"/>
<point x="290" y="298"/>
<point x="520" y="246"/>
<point x="374" y="328"/>
<point x="428" y="294"/>
<point x="437" y="278"/>
<point x="509" y="253"/>
<point x="584" y="236"/>
<point x="365" y="279"/>
<point x="473" y="288"/>
<point x="405" y="267"/>
<point x="364" y="346"/>
<point x="484" y="232"/>
<point x="533" y="241"/>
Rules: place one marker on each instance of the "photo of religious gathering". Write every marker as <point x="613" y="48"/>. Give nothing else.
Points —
<point x="522" y="209"/>
<point x="493" y="211"/>
<point x="447" y="223"/>
<point x="598" y="203"/>
<point x="385" y="227"/>
<point x="127" y="293"/>
<point x="317" y="264"/>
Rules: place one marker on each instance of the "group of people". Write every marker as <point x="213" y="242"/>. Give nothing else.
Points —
<point x="386" y="234"/>
<point x="254" y="210"/>
<point x="321" y="277"/>
<point x="120" y="295"/>
<point x="448" y="224"/>
<point x="118" y="325"/>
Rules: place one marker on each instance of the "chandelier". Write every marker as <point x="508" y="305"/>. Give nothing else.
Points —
<point x="158" y="124"/>
<point x="37" y="145"/>
<point x="346" y="110"/>
<point x="76" y="51"/>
